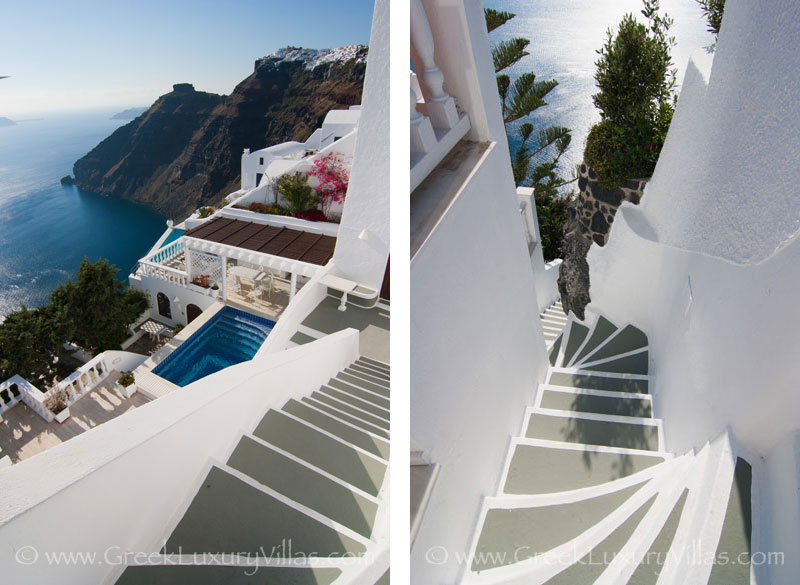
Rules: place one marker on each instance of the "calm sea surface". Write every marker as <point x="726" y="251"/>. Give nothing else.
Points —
<point x="565" y="36"/>
<point x="45" y="228"/>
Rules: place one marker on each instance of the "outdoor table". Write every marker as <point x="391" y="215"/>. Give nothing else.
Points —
<point x="154" y="328"/>
<point x="341" y="284"/>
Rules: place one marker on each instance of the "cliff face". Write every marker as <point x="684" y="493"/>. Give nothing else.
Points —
<point x="185" y="151"/>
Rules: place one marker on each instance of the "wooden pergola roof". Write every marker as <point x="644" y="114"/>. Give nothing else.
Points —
<point x="267" y="239"/>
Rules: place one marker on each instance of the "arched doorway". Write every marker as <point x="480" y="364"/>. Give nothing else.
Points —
<point x="192" y="312"/>
<point x="163" y="305"/>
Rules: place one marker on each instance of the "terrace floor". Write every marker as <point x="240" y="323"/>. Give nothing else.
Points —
<point x="23" y="433"/>
<point x="373" y="325"/>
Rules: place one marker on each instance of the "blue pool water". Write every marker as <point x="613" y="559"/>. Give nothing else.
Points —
<point x="173" y="235"/>
<point x="230" y="337"/>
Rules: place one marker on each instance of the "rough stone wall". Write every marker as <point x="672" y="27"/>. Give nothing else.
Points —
<point x="596" y="206"/>
<point x="590" y="218"/>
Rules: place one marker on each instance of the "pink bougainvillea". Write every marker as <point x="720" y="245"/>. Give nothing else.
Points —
<point x="332" y="175"/>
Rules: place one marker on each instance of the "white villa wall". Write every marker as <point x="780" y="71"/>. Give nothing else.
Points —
<point x="152" y="286"/>
<point x="141" y="470"/>
<point x="362" y="248"/>
<point x="477" y="354"/>
<point x="545" y="276"/>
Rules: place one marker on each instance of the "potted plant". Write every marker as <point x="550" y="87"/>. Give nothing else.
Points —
<point x="126" y="384"/>
<point x="58" y="405"/>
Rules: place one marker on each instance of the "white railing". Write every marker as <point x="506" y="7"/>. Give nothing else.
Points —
<point x="166" y="253"/>
<point x="82" y="380"/>
<point x="172" y="275"/>
<point x="436" y="124"/>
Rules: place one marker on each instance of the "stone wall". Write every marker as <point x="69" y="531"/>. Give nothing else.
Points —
<point x="596" y="206"/>
<point x="591" y="216"/>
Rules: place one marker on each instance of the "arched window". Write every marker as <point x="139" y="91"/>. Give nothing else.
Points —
<point x="192" y="312"/>
<point x="163" y="305"/>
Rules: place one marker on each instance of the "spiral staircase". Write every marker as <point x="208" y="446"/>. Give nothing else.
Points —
<point x="588" y="492"/>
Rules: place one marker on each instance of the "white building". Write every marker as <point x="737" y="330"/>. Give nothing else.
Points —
<point x="276" y="466"/>
<point x="658" y="441"/>
<point x="279" y="159"/>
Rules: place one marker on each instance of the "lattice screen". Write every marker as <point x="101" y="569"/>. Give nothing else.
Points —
<point x="210" y="264"/>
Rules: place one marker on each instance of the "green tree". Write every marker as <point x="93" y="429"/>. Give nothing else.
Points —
<point x="98" y="307"/>
<point x="546" y="146"/>
<point x="520" y="99"/>
<point x="31" y="342"/>
<point x="636" y="79"/>
<point x="712" y="10"/>
<point x="296" y="192"/>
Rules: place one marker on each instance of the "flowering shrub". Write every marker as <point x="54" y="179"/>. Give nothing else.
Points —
<point x="333" y="177"/>
<point x="203" y="280"/>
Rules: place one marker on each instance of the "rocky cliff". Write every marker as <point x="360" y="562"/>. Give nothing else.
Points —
<point x="185" y="151"/>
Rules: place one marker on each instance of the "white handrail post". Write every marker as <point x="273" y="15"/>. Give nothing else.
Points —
<point x="422" y="137"/>
<point x="441" y="107"/>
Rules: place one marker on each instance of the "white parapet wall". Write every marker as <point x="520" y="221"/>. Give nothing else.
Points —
<point x="709" y="263"/>
<point x="477" y="354"/>
<point x="121" y="486"/>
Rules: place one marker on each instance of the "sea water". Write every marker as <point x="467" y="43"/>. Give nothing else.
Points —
<point x="46" y="228"/>
<point x="564" y="39"/>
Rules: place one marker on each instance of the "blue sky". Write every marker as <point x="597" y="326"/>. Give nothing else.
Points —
<point x="91" y="53"/>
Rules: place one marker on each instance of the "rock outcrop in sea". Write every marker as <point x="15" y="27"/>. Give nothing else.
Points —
<point x="185" y="151"/>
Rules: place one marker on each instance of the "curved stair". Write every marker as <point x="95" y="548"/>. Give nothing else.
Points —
<point x="589" y="495"/>
<point x="299" y="496"/>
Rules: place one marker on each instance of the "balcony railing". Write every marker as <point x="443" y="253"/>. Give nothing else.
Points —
<point x="436" y="123"/>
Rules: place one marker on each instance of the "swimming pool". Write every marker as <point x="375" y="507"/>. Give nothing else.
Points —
<point x="229" y="337"/>
<point x="173" y="235"/>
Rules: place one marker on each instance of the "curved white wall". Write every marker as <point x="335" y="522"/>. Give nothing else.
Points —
<point x="732" y="157"/>
<point x="709" y="263"/>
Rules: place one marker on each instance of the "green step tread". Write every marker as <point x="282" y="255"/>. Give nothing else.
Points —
<point x="554" y="350"/>
<point x="592" y="432"/>
<point x="345" y="417"/>
<point x="346" y="396"/>
<point x="628" y="339"/>
<point x="592" y="565"/>
<point x="322" y="451"/>
<point x="360" y="393"/>
<point x="303" y="485"/>
<point x="596" y="404"/>
<point x="358" y="368"/>
<point x="591" y="382"/>
<point x="650" y="567"/>
<point x="637" y="363"/>
<point x="345" y="432"/>
<point x="513" y="535"/>
<point x="603" y="329"/>
<point x="737" y="528"/>
<point x="350" y="409"/>
<point x="542" y="470"/>
<point x="577" y="333"/>
<point x="216" y="575"/>
<point x="378" y="388"/>
<point x="228" y="515"/>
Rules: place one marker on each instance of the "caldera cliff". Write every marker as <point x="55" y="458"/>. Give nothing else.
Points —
<point x="185" y="151"/>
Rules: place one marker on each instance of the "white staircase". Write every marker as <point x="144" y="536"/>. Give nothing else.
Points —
<point x="301" y="498"/>
<point x="588" y="493"/>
